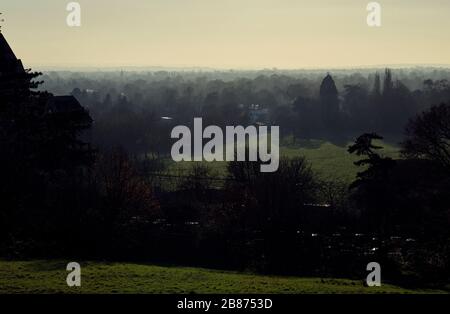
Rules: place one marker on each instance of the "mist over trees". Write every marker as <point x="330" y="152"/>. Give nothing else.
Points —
<point x="128" y="107"/>
<point x="96" y="183"/>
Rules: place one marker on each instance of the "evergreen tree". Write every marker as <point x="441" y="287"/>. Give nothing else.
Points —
<point x="388" y="84"/>
<point x="377" y="86"/>
<point x="39" y="143"/>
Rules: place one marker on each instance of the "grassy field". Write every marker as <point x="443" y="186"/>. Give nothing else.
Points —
<point x="329" y="161"/>
<point x="50" y="277"/>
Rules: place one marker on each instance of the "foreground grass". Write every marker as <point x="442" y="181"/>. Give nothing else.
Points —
<point x="97" y="277"/>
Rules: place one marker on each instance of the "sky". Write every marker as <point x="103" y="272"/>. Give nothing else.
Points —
<point x="240" y="34"/>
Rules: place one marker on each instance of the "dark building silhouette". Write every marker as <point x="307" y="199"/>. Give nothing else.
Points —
<point x="9" y="64"/>
<point x="8" y="61"/>
<point x="329" y="100"/>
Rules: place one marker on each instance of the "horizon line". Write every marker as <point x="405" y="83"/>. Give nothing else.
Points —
<point x="218" y="68"/>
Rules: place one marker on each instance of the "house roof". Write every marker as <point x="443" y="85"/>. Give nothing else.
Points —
<point x="8" y="61"/>
<point x="63" y="104"/>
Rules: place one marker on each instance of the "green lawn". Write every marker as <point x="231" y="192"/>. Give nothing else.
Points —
<point x="329" y="161"/>
<point x="97" y="277"/>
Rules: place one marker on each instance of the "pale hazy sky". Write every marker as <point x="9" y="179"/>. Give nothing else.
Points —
<point x="228" y="33"/>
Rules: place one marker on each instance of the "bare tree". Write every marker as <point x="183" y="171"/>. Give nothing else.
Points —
<point x="428" y="136"/>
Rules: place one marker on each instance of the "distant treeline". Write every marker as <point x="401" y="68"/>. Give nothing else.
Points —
<point x="63" y="194"/>
<point x="127" y="106"/>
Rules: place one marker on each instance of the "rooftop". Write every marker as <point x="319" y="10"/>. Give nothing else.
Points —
<point x="8" y="61"/>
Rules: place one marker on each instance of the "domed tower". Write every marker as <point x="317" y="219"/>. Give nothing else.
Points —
<point x="329" y="100"/>
<point x="328" y="87"/>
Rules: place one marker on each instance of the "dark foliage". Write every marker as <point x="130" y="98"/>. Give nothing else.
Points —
<point x="61" y="198"/>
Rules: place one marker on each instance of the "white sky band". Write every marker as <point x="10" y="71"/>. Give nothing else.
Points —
<point x="228" y="34"/>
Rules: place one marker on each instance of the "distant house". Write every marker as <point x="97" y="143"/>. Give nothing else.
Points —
<point x="63" y="104"/>
<point x="257" y="114"/>
<point x="10" y="65"/>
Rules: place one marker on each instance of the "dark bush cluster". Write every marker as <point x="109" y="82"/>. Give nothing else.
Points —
<point x="61" y="196"/>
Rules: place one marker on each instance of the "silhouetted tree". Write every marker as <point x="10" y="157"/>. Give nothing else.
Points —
<point x="356" y="107"/>
<point x="370" y="188"/>
<point x="376" y="92"/>
<point x="428" y="136"/>
<point x="309" y="122"/>
<point x="388" y="83"/>
<point x="40" y="144"/>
